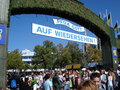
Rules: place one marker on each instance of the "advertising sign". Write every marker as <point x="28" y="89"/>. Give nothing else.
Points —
<point x="48" y="31"/>
<point x="69" y="24"/>
<point x="68" y="67"/>
<point x="114" y="52"/>
<point x="2" y="34"/>
<point x="76" y="66"/>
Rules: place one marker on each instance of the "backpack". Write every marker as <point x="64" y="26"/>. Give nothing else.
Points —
<point x="13" y="84"/>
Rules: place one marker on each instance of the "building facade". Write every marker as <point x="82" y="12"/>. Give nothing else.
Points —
<point x="27" y="56"/>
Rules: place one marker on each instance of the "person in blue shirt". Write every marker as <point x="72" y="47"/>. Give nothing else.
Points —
<point x="48" y="83"/>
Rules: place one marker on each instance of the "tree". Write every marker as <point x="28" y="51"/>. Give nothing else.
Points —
<point x="39" y="54"/>
<point x="59" y="47"/>
<point x="63" y="58"/>
<point x="26" y="66"/>
<point x="14" y="60"/>
<point x="93" y="54"/>
<point x="75" y="52"/>
<point x="45" y="54"/>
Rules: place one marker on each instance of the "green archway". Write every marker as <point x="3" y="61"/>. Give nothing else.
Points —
<point x="69" y="9"/>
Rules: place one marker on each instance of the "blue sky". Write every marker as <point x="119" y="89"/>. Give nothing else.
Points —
<point x="98" y="6"/>
<point x="20" y="32"/>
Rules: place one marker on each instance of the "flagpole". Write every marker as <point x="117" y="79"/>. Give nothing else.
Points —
<point x="100" y="15"/>
<point x="107" y="15"/>
<point x="84" y="49"/>
<point x="117" y="21"/>
<point x="118" y="26"/>
<point x="111" y="19"/>
<point x="119" y="31"/>
<point x="116" y="31"/>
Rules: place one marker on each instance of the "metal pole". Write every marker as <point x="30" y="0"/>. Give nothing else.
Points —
<point x="4" y="6"/>
<point x="84" y="45"/>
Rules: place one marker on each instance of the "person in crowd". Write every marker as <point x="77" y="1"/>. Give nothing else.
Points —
<point x="1" y="89"/>
<point x="118" y="72"/>
<point x="40" y="81"/>
<point x="87" y="85"/>
<point x="56" y="82"/>
<point x="95" y="77"/>
<point x="48" y="83"/>
<point x="26" y="85"/>
<point x="35" y="82"/>
<point x="66" y="81"/>
<point x="103" y="78"/>
<point x="85" y="75"/>
<point x="66" y="84"/>
<point x="113" y="77"/>
<point x="14" y="81"/>
<point x="61" y="78"/>
<point x="110" y="81"/>
<point x="117" y="78"/>
<point x="70" y="79"/>
<point x="78" y="80"/>
<point x="21" y="84"/>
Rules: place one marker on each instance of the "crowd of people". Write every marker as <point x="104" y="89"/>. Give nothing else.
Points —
<point x="83" y="79"/>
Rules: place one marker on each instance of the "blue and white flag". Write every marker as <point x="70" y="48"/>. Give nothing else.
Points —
<point x="105" y="18"/>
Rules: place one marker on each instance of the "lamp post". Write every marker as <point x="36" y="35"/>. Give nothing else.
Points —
<point x="84" y="50"/>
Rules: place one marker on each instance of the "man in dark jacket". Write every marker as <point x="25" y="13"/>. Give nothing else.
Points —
<point x="56" y="82"/>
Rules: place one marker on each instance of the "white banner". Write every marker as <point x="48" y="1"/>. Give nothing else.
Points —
<point x="68" y="24"/>
<point x="48" y="31"/>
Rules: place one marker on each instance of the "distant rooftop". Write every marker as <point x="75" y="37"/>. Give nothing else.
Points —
<point x="27" y="52"/>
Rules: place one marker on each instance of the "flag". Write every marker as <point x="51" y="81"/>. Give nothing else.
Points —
<point x="116" y="27"/>
<point x="119" y="36"/>
<point x="105" y="18"/>
<point x="109" y="19"/>
<point x="100" y="16"/>
<point x="118" y="32"/>
<point x="119" y="29"/>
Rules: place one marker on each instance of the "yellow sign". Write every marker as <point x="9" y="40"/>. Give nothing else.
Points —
<point x="77" y="66"/>
<point x="115" y="52"/>
<point x="68" y="66"/>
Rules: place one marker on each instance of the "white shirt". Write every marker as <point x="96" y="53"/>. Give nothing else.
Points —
<point x="110" y="83"/>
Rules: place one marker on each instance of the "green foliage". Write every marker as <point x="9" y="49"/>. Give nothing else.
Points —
<point x="49" y="56"/>
<point x="45" y="54"/>
<point x="71" y="54"/>
<point x="14" y="60"/>
<point x="93" y="54"/>
<point x="59" y="47"/>
<point x="76" y="53"/>
<point x="63" y="58"/>
<point x="26" y="66"/>
<point x="118" y="43"/>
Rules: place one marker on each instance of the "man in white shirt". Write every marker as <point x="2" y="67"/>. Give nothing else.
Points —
<point x="103" y="78"/>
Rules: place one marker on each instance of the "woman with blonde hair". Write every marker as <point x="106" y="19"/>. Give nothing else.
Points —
<point x="87" y="85"/>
